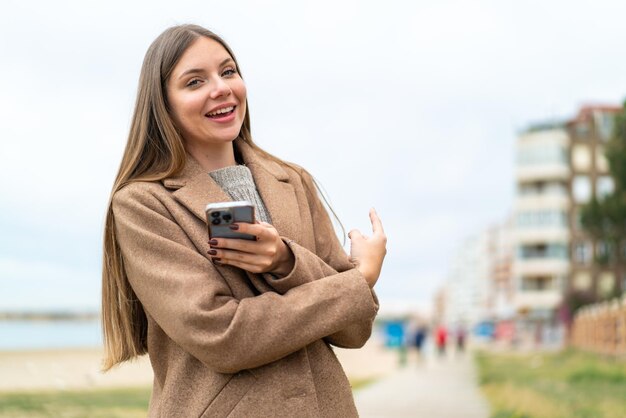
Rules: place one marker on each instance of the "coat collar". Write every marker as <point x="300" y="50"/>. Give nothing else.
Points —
<point x="194" y="188"/>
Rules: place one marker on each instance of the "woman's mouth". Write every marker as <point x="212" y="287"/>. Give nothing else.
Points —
<point x="221" y="113"/>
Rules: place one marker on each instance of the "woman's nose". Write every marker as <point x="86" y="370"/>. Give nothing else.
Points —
<point x="220" y="88"/>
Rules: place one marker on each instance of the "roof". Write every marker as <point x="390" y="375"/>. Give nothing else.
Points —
<point x="543" y="126"/>
<point x="586" y="112"/>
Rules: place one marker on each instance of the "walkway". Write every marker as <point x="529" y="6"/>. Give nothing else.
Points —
<point x="437" y="388"/>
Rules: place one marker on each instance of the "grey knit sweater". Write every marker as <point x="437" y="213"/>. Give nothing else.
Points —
<point x="238" y="183"/>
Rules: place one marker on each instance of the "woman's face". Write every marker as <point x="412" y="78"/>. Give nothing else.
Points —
<point x="207" y="96"/>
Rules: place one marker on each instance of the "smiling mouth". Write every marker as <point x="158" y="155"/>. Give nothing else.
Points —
<point x="220" y="113"/>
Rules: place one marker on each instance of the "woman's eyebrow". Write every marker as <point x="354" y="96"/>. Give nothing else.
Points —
<point x="200" y="70"/>
<point x="191" y="71"/>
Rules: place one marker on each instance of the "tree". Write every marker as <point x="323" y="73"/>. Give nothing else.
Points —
<point x="604" y="218"/>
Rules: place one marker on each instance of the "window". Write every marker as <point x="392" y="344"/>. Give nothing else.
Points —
<point x="606" y="283"/>
<point x="582" y="252"/>
<point x="582" y="281"/>
<point x="537" y="283"/>
<point x="602" y="164"/>
<point x="555" y="189"/>
<point x="604" y="123"/>
<point x="581" y="189"/>
<point x="543" y="154"/>
<point x="552" y="251"/>
<point x="604" y="251"/>
<point x="581" y="157"/>
<point x="581" y="129"/>
<point x="541" y="218"/>
<point x="540" y="188"/>
<point x="528" y="190"/>
<point x="604" y="186"/>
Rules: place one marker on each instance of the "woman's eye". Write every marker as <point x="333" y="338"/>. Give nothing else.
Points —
<point x="193" y="82"/>
<point x="229" y="71"/>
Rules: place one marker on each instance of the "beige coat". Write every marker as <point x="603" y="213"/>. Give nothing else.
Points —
<point x="223" y="342"/>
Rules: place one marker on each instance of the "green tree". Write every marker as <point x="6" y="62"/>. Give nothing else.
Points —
<point x="604" y="218"/>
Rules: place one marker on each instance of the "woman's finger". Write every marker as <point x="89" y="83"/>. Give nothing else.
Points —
<point x="377" y="225"/>
<point x="227" y="256"/>
<point x="238" y="244"/>
<point x="257" y="229"/>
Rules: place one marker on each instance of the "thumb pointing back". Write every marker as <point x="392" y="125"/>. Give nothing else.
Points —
<point x="355" y="234"/>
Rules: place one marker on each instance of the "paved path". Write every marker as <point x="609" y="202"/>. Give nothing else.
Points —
<point x="436" y="388"/>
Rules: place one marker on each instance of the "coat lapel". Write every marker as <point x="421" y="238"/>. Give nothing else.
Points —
<point x="196" y="189"/>
<point x="278" y="194"/>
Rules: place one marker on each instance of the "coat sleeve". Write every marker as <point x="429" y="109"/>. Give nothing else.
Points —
<point x="332" y="259"/>
<point x="189" y="299"/>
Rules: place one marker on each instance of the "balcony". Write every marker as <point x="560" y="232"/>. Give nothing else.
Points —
<point x="538" y="202"/>
<point x="537" y="299"/>
<point x="542" y="172"/>
<point x="541" y="235"/>
<point x="540" y="267"/>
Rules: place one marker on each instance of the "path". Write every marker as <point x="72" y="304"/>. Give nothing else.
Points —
<point x="437" y="388"/>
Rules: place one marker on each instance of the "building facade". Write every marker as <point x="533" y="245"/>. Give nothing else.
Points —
<point x="559" y="168"/>
<point x="501" y="293"/>
<point x="589" y="132"/>
<point x="541" y="237"/>
<point x="468" y="283"/>
<point x="479" y="287"/>
<point x="520" y="272"/>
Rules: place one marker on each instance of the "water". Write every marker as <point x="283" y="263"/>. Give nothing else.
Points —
<point x="37" y="335"/>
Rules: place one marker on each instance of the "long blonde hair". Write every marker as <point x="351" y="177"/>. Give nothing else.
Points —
<point x="154" y="151"/>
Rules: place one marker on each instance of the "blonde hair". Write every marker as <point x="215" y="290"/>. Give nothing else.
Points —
<point x="154" y="151"/>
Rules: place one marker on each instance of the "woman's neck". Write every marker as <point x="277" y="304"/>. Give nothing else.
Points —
<point x="213" y="157"/>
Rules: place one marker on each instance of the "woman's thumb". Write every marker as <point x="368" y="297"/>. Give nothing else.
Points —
<point x="355" y="234"/>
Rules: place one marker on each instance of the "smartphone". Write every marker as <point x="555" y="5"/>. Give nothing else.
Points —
<point x="221" y="215"/>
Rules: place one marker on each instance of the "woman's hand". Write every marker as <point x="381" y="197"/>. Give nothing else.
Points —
<point x="368" y="252"/>
<point x="268" y="254"/>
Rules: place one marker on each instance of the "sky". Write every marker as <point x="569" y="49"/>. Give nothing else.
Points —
<point x="411" y="107"/>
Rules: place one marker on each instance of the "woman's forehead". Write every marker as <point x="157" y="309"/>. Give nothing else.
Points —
<point x="204" y="52"/>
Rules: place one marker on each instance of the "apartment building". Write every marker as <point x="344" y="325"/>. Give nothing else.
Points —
<point x="525" y="267"/>
<point x="589" y="131"/>
<point x="501" y="290"/>
<point x="541" y="230"/>
<point x="479" y="286"/>
<point x="467" y="285"/>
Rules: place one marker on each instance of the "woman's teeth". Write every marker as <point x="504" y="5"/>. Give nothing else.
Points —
<point x="221" y="111"/>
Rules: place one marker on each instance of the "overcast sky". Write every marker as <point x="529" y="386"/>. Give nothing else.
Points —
<point x="411" y="107"/>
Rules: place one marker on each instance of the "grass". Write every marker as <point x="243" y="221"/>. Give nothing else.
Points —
<point x="104" y="403"/>
<point x="101" y="403"/>
<point x="569" y="384"/>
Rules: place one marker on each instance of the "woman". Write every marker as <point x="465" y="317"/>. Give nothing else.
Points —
<point x="233" y="328"/>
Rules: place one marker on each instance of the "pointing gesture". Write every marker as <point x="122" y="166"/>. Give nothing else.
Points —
<point x="369" y="252"/>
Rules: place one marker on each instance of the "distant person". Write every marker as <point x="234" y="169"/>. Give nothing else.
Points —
<point x="419" y="340"/>
<point x="233" y="327"/>
<point x="441" y="339"/>
<point x="461" y="335"/>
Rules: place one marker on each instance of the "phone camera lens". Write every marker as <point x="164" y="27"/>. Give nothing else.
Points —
<point x="216" y="221"/>
<point x="215" y="214"/>
<point x="227" y="217"/>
